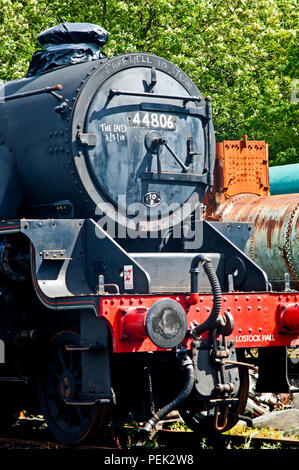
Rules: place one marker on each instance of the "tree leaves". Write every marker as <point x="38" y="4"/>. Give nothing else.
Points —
<point x="242" y="52"/>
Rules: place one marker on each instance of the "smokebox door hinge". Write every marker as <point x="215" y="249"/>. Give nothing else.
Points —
<point x="87" y="139"/>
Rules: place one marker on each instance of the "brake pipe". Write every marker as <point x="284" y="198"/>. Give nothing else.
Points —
<point x="187" y="365"/>
<point x="210" y="322"/>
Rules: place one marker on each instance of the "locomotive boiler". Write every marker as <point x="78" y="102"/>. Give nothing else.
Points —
<point x="120" y="299"/>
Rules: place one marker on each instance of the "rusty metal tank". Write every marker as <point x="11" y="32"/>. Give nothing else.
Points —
<point x="274" y="244"/>
<point x="241" y="194"/>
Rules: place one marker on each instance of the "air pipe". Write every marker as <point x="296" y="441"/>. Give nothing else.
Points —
<point x="187" y="365"/>
<point x="210" y="322"/>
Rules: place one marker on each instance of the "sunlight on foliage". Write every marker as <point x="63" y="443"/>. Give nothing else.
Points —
<point x="241" y="52"/>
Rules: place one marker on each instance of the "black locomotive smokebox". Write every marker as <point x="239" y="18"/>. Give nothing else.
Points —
<point x="166" y="323"/>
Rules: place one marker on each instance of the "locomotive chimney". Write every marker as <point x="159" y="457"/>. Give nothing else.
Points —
<point x="68" y="44"/>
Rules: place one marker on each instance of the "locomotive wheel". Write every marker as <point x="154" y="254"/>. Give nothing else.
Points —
<point x="194" y="412"/>
<point x="60" y="380"/>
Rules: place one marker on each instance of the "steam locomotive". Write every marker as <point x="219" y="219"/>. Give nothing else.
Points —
<point x="120" y="297"/>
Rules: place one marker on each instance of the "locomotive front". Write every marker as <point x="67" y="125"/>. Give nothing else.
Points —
<point x="111" y="272"/>
<point x="132" y="129"/>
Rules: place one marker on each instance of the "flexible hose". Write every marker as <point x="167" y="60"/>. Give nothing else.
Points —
<point x="174" y="404"/>
<point x="216" y="290"/>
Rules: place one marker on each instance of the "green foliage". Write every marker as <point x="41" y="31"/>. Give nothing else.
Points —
<point x="243" y="53"/>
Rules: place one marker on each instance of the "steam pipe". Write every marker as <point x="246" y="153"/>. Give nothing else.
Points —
<point x="216" y="290"/>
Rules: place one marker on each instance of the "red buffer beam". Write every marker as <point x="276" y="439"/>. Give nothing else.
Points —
<point x="260" y="320"/>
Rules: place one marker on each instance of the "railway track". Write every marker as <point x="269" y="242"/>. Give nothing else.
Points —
<point x="33" y="435"/>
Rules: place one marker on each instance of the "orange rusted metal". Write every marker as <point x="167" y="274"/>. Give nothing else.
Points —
<point x="244" y="167"/>
<point x="241" y="167"/>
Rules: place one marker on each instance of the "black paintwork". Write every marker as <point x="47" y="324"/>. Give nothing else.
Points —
<point x="133" y="126"/>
